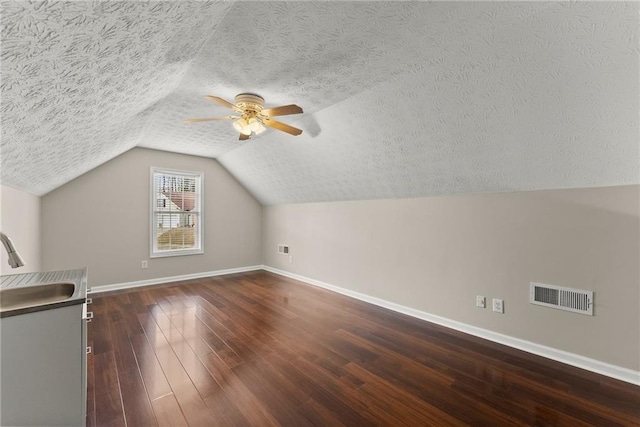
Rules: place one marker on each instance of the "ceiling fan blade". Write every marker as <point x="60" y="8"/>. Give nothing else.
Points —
<point x="281" y="126"/>
<point x="281" y="111"/>
<point x="210" y="119"/>
<point x="244" y="137"/>
<point x="224" y="103"/>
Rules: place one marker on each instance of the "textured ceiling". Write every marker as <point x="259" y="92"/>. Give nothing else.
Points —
<point x="401" y="99"/>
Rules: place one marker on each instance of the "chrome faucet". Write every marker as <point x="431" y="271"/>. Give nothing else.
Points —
<point x="15" y="260"/>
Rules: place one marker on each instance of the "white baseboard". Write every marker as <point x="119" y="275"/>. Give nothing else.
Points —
<point x="160" y="280"/>
<point x="613" y="371"/>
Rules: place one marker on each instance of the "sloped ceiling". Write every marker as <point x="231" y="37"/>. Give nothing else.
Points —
<point x="401" y="99"/>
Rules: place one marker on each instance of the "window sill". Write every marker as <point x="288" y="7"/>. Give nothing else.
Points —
<point x="176" y="253"/>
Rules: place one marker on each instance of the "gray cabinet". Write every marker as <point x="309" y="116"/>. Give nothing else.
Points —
<point x="43" y="368"/>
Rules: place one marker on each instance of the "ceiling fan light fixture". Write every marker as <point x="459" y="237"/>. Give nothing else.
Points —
<point x="242" y="126"/>
<point x="259" y="129"/>
<point x="254" y="124"/>
<point x="248" y="125"/>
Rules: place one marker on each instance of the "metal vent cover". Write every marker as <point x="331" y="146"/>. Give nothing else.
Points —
<point x="561" y="298"/>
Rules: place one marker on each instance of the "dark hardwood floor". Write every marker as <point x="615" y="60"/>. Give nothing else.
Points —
<point x="259" y="349"/>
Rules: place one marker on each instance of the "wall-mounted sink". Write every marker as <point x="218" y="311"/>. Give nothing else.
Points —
<point x="30" y="296"/>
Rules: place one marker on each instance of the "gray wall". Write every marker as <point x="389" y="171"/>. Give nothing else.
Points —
<point x="20" y="220"/>
<point x="101" y="221"/>
<point x="437" y="254"/>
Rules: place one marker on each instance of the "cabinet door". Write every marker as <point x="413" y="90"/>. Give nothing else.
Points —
<point x="42" y="368"/>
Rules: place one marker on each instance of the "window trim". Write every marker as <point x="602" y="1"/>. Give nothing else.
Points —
<point x="152" y="206"/>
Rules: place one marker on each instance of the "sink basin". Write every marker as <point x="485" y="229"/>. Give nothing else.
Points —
<point x="29" y="296"/>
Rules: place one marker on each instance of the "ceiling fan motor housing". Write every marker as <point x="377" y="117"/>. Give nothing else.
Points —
<point x="250" y="101"/>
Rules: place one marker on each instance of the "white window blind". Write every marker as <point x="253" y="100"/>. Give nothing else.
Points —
<point x="176" y="212"/>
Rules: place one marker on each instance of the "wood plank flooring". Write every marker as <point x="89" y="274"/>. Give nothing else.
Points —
<point x="259" y="349"/>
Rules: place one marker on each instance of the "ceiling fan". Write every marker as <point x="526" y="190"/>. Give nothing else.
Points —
<point x="253" y="117"/>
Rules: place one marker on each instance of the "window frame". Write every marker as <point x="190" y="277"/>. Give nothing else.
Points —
<point x="155" y="253"/>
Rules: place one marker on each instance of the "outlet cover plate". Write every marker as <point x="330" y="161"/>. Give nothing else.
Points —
<point x="283" y="249"/>
<point x="481" y="301"/>
<point x="498" y="305"/>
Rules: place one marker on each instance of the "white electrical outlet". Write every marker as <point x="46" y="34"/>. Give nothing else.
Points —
<point x="144" y="264"/>
<point x="481" y="301"/>
<point x="498" y="305"/>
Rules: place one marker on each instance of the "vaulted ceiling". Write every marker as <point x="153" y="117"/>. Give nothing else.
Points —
<point x="401" y="99"/>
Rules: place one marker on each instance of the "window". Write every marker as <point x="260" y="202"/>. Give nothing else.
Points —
<point x="176" y="213"/>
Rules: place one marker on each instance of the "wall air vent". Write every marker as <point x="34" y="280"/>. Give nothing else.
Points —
<point x="283" y="249"/>
<point x="568" y="299"/>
